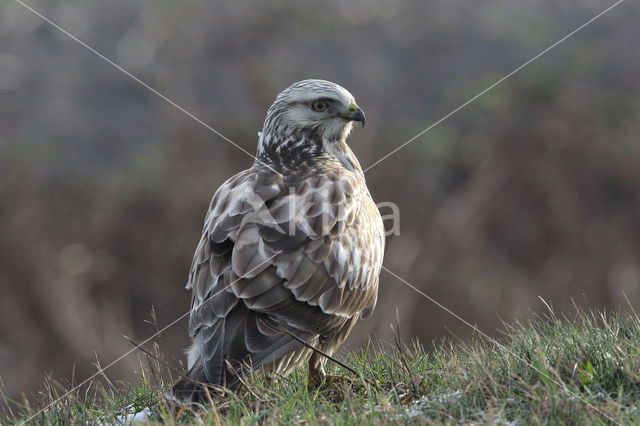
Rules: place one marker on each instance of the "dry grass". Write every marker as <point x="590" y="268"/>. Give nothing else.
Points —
<point x="546" y="370"/>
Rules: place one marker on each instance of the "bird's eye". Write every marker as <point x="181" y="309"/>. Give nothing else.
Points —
<point x="320" y="106"/>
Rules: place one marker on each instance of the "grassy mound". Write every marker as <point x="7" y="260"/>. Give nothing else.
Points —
<point x="542" y="370"/>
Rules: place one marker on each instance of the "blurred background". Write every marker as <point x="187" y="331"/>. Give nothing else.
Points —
<point x="531" y="191"/>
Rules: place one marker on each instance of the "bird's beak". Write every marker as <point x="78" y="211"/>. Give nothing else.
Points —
<point x="358" y="116"/>
<point x="355" y="114"/>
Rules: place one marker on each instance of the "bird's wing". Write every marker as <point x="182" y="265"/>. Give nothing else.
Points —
<point x="301" y="254"/>
<point x="328" y="247"/>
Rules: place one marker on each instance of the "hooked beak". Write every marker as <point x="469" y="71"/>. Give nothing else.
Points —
<point x="358" y="116"/>
<point x="355" y="114"/>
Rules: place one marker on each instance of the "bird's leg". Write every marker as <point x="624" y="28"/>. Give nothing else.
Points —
<point x="317" y="375"/>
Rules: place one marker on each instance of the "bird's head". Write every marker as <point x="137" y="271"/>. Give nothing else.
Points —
<point x="317" y="110"/>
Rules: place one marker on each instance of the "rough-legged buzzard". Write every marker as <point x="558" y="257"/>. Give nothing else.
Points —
<point x="291" y="246"/>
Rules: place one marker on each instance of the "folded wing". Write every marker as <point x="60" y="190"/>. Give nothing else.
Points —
<point x="301" y="255"/>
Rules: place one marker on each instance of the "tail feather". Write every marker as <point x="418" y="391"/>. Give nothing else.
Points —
<point x="190" y="389"/>
<point x="231" y="347"/>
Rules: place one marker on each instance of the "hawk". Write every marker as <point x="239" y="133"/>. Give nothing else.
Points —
<point x="291" y="248"/>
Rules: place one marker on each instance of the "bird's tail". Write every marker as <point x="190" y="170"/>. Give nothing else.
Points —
<point x="189" y="389"/>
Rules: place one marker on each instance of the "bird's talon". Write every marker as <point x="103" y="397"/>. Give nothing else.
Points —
<point x="328" y="380"/>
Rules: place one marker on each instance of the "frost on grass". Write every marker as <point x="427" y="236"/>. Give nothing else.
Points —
<point x="423" y="404"/>
<point x="135" y="416"/>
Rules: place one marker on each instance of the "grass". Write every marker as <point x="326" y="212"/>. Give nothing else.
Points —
<point x="546" y="370"/>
